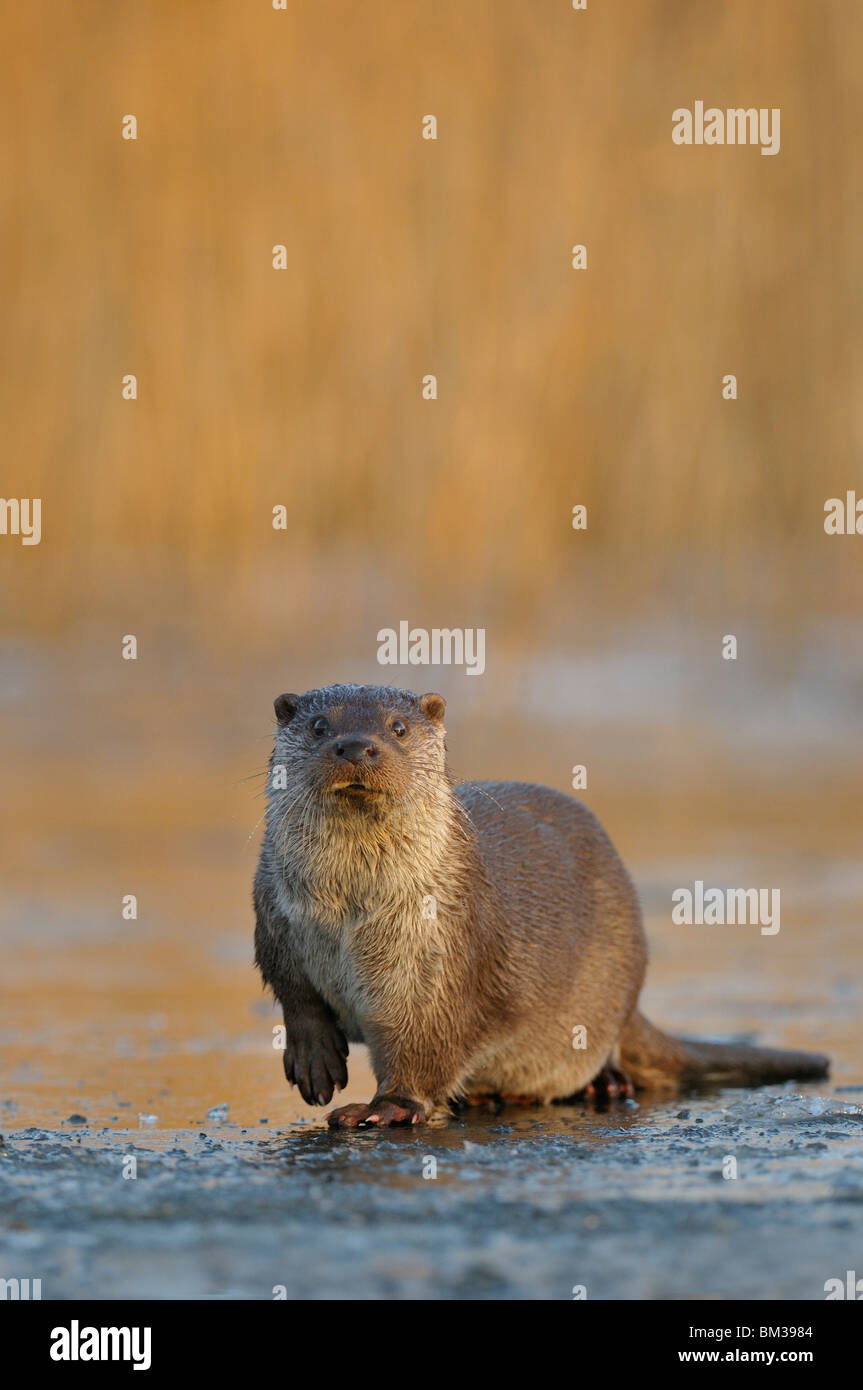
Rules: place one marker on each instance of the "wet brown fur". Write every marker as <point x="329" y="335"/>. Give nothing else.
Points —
<point x="462" y="931"/>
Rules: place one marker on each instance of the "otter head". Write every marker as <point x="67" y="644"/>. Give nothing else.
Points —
<point x="360" y="750"/>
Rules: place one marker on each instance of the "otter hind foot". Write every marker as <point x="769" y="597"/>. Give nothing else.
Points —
<point x="609" y="1084"/>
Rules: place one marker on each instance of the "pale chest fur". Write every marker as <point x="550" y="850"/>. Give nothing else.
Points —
<point x="371" y="944"/>
<point x="371" y="906"/>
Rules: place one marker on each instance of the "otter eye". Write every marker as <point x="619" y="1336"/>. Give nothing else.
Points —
<point x="398" y="728"/>
<point x="319" y="726"/>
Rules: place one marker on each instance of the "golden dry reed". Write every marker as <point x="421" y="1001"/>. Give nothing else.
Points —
<point x="406" y="257"/>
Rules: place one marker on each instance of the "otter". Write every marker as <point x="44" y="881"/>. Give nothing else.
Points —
<point x="482" y="938"/>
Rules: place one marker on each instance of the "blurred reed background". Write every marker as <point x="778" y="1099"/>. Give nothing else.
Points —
<point x="303" y="387"/>
<point x="406" y="257"/>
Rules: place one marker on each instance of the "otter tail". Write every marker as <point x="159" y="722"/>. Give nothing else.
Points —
<point x="656" y="1062"/>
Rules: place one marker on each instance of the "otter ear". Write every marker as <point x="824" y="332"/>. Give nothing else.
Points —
<point x="286" y="707"/>
<point x="433" y="707"/>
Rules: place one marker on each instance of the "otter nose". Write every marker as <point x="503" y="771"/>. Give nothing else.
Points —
<point x="356" y="750"/>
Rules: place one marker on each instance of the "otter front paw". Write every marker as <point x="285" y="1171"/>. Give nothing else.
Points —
<point x="315" y="1058"/>
<point x="388" y="1110"/>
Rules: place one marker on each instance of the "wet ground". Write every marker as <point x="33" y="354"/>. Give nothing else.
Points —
<point x="632" y="1203"/>
<point x="119" y="1035"/>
